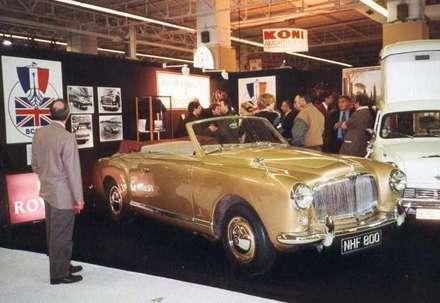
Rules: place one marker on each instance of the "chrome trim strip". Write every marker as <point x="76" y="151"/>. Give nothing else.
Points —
<point x="171" y="214"/>
<point x="317" y="236"/>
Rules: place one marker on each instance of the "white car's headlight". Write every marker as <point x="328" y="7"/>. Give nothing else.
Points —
<point x="397" y="180"/>
<point x="301" y="196"/>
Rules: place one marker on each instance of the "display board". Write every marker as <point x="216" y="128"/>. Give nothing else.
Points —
<point x="365" y="80"/>
<point x="24" y="202"/>
<point x="183" y="88"/>
<point x="250" y="88"/>
<point x="29" y="87"/>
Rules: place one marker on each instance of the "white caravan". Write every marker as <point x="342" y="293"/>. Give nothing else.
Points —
<point x="407" y="128"/>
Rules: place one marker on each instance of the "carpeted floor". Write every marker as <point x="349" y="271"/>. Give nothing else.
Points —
<point x="24" y="278"/>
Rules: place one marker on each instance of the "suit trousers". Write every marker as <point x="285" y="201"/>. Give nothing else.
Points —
<point x="59" y="233"/>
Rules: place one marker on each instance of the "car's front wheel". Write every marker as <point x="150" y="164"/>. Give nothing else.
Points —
<point x="115" y="201"/>
<point x="246" y="242"/>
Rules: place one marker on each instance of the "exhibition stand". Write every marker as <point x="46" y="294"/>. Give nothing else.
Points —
<point x="113" y="100"/>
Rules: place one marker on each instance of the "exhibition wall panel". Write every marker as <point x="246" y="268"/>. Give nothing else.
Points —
<point x="131" y="77"/>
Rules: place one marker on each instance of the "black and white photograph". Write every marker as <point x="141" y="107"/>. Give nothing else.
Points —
<point x="110" y="128"/>
<point x="82" y="128"/>
<point x="110" y="100"/>
<point x="80" y="99"/>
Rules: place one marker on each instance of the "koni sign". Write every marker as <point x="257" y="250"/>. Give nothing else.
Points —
<point x="279" y="40"/>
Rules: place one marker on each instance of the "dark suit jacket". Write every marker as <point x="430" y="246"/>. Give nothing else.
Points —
<point x="322" y="109"/>
<point x="331" y="142"/>
<point x="287" y="124"/>
<point x="356" y="137"/>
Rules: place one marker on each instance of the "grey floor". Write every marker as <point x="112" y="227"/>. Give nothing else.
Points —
<point x="24" y="278"/>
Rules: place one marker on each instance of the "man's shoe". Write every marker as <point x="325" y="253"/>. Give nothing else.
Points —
<point x="74" y="269"/>
<point x="66" y="280"/>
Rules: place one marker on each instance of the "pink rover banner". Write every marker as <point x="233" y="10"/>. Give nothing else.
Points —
<point x="25" y="204"/>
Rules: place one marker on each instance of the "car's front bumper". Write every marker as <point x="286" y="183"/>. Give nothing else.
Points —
<point x="110" y="105"/>
<point x="326" y="234"/>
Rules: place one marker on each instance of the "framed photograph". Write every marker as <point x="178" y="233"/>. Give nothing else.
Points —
<point x="110" y="128"/>
<point x="80" y="99"/>
<point x="82" y="128"/>
<point x="110" y="100"/>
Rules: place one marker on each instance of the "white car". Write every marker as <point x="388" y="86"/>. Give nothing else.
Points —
<point x="407" y="128"/>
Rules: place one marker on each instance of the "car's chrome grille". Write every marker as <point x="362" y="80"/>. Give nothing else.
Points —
<point x="347" y="197"/>
<point x="422" y="194"/>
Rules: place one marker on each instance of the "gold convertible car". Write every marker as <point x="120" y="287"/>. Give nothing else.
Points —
<point x="237" y="180"/>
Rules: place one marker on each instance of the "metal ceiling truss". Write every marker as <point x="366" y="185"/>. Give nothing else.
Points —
<point x="51" y="20"/>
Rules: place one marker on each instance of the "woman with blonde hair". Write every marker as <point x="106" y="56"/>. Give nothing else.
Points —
<point x="266" y="109"/>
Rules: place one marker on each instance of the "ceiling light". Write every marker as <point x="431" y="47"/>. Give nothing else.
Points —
<point x="108" y="50"/>
<point x="185" y="70"/>
<point x="124" y="14"/>
<point x="7" y="42"/>
<point x="224" y="73"/>
<point x="376" y="7"/>
<point x="164" y="58"/>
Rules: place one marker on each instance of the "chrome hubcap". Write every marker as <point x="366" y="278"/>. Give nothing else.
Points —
<point x="241" y="239"/>
<point x="115" y="199"/>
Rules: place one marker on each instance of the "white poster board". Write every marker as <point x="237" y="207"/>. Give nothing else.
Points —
<point x="250" y="88"/>
<point x="183" y="88"/>
<point x="29" y="87"/>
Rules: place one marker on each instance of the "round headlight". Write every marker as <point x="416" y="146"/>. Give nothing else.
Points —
<point x="397" y="180"/>
<point x="302" y="196"/>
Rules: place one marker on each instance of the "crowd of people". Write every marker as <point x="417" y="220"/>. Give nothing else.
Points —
<point x="322" y="121"/>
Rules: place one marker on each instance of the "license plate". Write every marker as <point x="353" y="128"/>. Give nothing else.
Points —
<point x="361" y="241"/>
<point x="427" y="214"/>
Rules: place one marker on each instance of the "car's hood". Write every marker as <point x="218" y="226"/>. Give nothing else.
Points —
<point x="419" y="160"/>
<point x="299" y="163"/>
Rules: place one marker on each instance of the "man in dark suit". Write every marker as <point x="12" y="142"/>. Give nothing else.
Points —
<point x="356" y="135"/>
<point x="288" y="115"/>
<point x="326" y="101"/>
<point x="334" y="134"/>
<point x="55" y="159"/>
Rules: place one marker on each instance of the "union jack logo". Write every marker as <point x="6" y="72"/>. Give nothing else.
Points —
<point x="33" y="110"/>
<point x="28" y="115"/>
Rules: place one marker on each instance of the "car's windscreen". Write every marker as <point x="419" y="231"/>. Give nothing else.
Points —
<point x="411" y="124"/>
<point x="235" y="132"/>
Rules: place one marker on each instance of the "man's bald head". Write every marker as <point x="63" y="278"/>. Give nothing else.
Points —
<point x="59" y="110"/>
